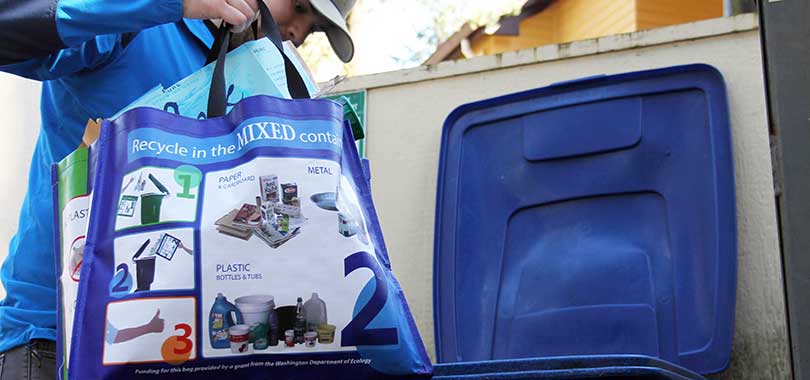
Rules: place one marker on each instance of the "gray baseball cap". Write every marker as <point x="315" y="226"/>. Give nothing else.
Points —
<point x="336" y="12"/>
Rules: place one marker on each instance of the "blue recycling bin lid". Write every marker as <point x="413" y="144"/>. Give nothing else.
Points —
<point x="590" y="217"/>
<point x="622" y="366"/>
<point x="607" y="373"/>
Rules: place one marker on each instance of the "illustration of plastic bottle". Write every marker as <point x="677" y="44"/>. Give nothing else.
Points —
<point x="220" y="319"/>
<point x="300" y="322"/>
<point x="274" y="328"/>
<point x="315" y="311"/>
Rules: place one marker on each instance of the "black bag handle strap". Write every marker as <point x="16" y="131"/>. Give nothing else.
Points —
<point x="217" y="100"/>
<point x="217" y="96"/>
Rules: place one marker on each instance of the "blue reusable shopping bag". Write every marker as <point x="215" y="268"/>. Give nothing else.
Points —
<point x="241" y="245"/>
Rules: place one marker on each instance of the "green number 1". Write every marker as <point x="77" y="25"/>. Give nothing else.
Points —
<point x="186" y="183"/>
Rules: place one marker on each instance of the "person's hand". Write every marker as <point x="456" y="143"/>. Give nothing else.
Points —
<point x="157" y="324"/>
<point x="239" y="13"/>
<point x="187" y="249"/>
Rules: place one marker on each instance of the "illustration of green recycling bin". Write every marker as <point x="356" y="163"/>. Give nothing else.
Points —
<point x="151" y="202"/>
<point x="154" y="195"/>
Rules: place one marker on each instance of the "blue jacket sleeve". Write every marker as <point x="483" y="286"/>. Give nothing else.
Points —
<point x="45" y="39"/>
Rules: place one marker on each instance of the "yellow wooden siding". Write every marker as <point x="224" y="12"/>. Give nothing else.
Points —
<point x="584" y="19"/>
<point x="534" y="31"/>
<point x="564" y="21"/>
<point x="573" y="20"/>
<point x="658" y="13"/>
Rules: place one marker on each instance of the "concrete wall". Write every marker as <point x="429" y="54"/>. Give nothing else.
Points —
<point x="19" y="106"/>
<point x="406" y="110"/>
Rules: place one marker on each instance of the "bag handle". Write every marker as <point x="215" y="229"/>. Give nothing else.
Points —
<point x="217" y="96"/>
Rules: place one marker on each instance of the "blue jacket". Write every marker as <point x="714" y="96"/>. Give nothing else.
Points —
<point x="93" y="57"/>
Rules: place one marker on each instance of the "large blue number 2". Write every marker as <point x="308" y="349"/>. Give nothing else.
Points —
<point x="121" y="286"/>
<point x="356" y="333"/>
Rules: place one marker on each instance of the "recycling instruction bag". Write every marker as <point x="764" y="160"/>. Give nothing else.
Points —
<point x="255" y="68"/>
<point x="216" y="245"/>
<point x="71" y="201"/>
<point x="243" y="245"/>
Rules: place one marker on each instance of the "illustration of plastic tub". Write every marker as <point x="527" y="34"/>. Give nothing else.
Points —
<point x="150" y="207"/>
<point x="255" y="309"/>
<point x="326" y="333"/>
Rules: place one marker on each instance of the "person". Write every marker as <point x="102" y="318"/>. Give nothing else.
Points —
<point x="94" y="57"/>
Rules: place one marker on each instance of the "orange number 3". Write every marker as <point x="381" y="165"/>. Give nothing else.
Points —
<point x="177" y="349"/>
<point x="184" y="339"/>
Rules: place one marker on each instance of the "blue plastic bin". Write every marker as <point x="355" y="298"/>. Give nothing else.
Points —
<point x="624" y="367"/>
<point x="594" y="217"/>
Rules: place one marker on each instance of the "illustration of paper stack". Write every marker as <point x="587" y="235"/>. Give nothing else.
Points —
<point x="275" y="217"/>
<point x="225" y="226"/>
